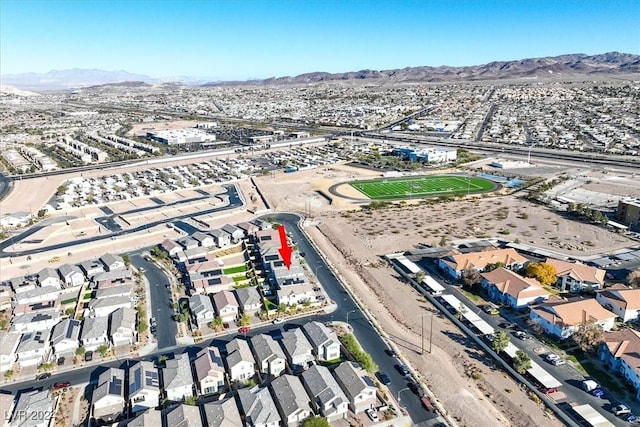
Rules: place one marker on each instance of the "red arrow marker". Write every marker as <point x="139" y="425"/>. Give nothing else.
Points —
<point x="285" y="249"/>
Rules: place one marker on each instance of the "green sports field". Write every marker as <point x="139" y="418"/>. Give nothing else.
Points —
<point x="425" y="186"/>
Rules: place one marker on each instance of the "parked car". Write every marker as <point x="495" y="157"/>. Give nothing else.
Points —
<point x="489" y="309"/>
<point x="373" y="415"/>
<point x="621" y="409"/>
<point x="43" y="376"/>
<point x="403" y="369"/>
<point x="558" y="362"/>
<point x="551" y="357"/>
<point x="384" y="378"/>
<point x="390" y="352"/>
<point x="88" y="356"/>
<point x="599" y="393"/>
<point x="152" y="321"/>
<point x="61" y="384"/>
<point x="589" y="385"/>
<point x="508" y="325"/>
<point x="244" y="330"/>
<point x="521" y="334"/>
<point x="61" y="360"/>
<point x="415" y="388"/>
<point x="631" y="419"/>
<point x="277" y="320"/>
<point x="427" y="404"/>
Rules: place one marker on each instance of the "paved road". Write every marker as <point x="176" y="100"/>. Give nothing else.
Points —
<point x="234" y="202"/>
<point x="160" y="299"/>
<point x="5" y="186"/>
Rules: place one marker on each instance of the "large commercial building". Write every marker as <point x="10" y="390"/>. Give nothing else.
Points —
<point x="426" y="155"/>
<point x="180" y="136"/>
<point x="628" y="212"/>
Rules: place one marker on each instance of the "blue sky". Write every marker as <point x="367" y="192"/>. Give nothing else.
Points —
<point x="257" y="39"/>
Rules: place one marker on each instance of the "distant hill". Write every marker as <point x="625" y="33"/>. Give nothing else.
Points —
<point x="70" y="79"/>
<point x="558" y="66"/>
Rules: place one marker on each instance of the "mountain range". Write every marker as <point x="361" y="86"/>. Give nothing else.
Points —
<point x="564" y="66"/>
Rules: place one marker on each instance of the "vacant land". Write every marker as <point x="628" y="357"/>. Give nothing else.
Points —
<point x="424" y="186"/>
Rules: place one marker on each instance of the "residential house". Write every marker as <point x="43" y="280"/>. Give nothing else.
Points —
<point x="22" y="283"/>
<point x="455" y="264"/>
<point x="202" y="310"/>
<point x="105" y="306"/>
<point x="222" y="413"/>
<point x="261" y="224"/>
<point x="35" y="321"/>
<point x="177" y="378"/>
<point x="210" y="282"/>
<point x="248" y="228"/>
<point x="92" y="268"/>
<point x="170" y="247"/>
<point x="258" y="407"/>
<point x="65" y="337"/>
<point x="226" y="305"/>
<point x="327" y="398"/>
<point x="122" y="327"/>
<point x="563" y="318"/>
<point x="49" y="277"/>
<point x="9" y="342"/>
<point x="240" y="363"/>
<point x="107" y="401"/>
<point x="221" y="238"/>
<point x="249" y="299"/>
<point x="291" y="399"/>
<point x="576" y="276"/>
<point x="298" y="349"/>
<point x="94" y="332"/>
<point x="6" y="296"/>
<point x="323" y="340"/>
<point x="33" y="349"/>
<point x="195" y="253"/>
<point x="203" y="239"/>
<point x="237" y="234"/>
<point x="209" y="370"/>
<point x="184" y="416"/>
<point x="144" y="386"/>
<point x="622" y="300"/>
<point x="620" y="352"/>
<point x="39" y="298"/>
<point x="300" y="294"/>
<point x="357" y="386"/>
<point x="113" y="278"/>
<point x="511" y="289"/>
<point x="282" y="276"/>
<point x="150" y="418"/>
<point x="113" y="262"/>
<point x="71" y="275"/>
<point x="30" y="407"/>
<point x="188" y="242"/>
<point x="269" y="355"/>
<point x="114" y="291"/>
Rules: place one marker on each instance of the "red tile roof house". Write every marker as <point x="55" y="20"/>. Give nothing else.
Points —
<point x="576" y="276"/>
<point x="621" y="352"/>
<point x="511" y="289"/>
<point x="455" y="264"/>
<point x="622" y="300"/>
<point x="563" y="318"/>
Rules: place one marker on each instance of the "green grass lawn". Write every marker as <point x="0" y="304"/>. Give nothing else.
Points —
<point x="236" y="269"/>
<point x="426" y="186"/>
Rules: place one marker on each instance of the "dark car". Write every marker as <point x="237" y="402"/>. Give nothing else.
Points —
<point x="415" y="388"/>
<point x="384" y="378"/>
<point x="390" y="353"/>
<point x="403" y="369"/>
<point x="61" y="384"/>
<point x="88" y="356"/>
<point x="508" y="325"/>
<point x="61" y="361"/>
<point x="598" y="392"/>
<point x="43" y="376"/>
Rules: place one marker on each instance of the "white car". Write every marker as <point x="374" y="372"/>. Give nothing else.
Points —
<point x="558" y="362"/>
<point x="278" y="320"/>
<point x="621" y="410"/>
<point x="373" y="415"/>
<point x="551" y="357"/>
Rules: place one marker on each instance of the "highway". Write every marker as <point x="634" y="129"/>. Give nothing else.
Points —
<point x="235" y="201"/>
<point x="347" y="310"/>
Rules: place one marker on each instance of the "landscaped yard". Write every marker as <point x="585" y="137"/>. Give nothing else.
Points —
<point x="381" y="189"/>
<point x="235" y="270"/>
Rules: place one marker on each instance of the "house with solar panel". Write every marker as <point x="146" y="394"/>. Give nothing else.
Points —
<point x="209" y="370"/>
<point x="144" y="386"/>
<point x="357" y="386"/>
<point x="65" y="337"/>
<point x="107" y="402"/>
